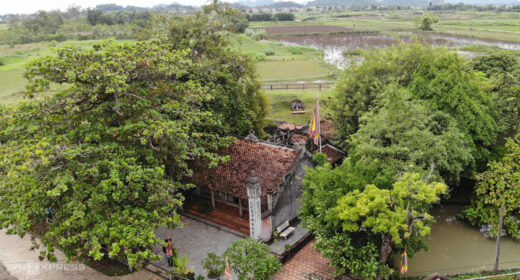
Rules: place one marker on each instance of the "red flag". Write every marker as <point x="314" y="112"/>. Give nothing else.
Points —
<point x="227" y="274"/>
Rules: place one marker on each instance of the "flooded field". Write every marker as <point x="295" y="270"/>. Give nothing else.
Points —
<point x="302" y="29"/>
<point x="333" y="45"/>
<point x="455" y="247"/>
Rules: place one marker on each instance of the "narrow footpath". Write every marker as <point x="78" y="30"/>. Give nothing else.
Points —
<point x="21" y="263"/>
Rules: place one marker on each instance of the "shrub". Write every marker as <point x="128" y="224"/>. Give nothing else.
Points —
<point x="250" y="259"/>
<point x="296" y="50"/>
<point x="257" y="35"/>
<point x="214" y="265"/>
<point x="269" y="52"/>
<point x="260" y="56"/>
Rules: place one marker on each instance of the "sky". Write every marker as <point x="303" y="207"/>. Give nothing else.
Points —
<point x="31" y="6"/>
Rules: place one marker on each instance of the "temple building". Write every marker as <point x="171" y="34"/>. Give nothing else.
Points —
<point x="255" y="191"/>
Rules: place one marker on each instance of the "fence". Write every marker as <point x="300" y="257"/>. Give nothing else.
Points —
<point x="501" y="276"/>
<point x="301" y="86"/>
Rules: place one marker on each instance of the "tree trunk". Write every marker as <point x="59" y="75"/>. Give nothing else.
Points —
<point x="386" y="249"/>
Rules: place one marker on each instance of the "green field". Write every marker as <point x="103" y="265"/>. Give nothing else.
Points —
<point x="494" y="25"/>
<point x="12" y="83"/>
<point x="281" y="108"/>
<point x="288" y="63"/>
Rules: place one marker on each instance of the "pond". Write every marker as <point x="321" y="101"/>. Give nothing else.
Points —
<point x="333" y="45"/>
<point x="456" y="247"/>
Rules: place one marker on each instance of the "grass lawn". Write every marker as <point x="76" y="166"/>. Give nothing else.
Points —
<point x="281" y="109"/>
<point x="286" y="63"/>
<point x="292" y="70"/>
<point x="12" y="85"/>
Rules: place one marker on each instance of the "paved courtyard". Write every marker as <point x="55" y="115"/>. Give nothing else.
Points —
<point x="306" y="262"/>
<point x="195" y="240"/>
<point x="23" y="264"/>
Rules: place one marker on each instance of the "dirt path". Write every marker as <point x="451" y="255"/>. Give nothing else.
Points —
<point x="22" y="264"/>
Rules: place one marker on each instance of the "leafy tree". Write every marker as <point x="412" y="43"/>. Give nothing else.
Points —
<point x="430" y="74"/>
<point x="396" y="215"/>
<point x="359" y="230"/>
<point x="504" y="71"/>
<point x="426" y="22"/>
<point x="496" y="187"/>
<point x="284" y="17"/>
<point x="104" y="156"/>
<point x="251" y="260"/>
<point x="94" y="16"/>
<point x="231" y="19"/>
<point x="229" y="75"/>
<point x="404" y="136"/>
<point x="43" y="22"/>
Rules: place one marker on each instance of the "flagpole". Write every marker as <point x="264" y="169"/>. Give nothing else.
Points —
<point x="319" y="122"/>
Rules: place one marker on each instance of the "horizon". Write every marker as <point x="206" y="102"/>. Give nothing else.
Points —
<point x="33" y="6"/>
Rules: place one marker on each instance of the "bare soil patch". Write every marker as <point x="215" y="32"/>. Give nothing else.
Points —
<point x="5" y="49"/>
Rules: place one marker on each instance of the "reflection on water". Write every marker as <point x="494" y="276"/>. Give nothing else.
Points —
<point x="456" y="247"/>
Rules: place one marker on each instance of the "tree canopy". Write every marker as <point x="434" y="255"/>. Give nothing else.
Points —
<point x="496" y="187"/>
<point x="358" y="231"/>
<point x="433" y="75"/>
<point x="503" y="69"/>
<point x="104" y="157"/>
<point x="252" y="260"/>
<point x="404" y="135"/>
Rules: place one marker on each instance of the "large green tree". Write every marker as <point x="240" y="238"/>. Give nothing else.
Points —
<point x="496" y="187"/>
<point x="357" y="230"/>
<point x="103" y="157"/>
<point x="405" y="135"/>
<point x="431" y="74"/>
<point x="229" y="75"/>
<point x="503" y="70"/>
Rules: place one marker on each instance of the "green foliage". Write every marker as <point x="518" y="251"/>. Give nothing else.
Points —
<point x="230" y="18"/>
<point x="320" y="159"/>
<point x="269" y="52"/>
<point x="256" y="34"/>
<point x="430" y="74"/>
<point x="260" y="56"/>
<point x="503" y="69"/>
<point x="407" y="136"/>
<point x="426" y="22"/>
<point x="498" y="186"/>
<point x="230" y="76"/>
<point x="214" y="264"/>
<point x="251" y="260"/>
<point x="105" y="154"/>
<point x="358" y="227"/>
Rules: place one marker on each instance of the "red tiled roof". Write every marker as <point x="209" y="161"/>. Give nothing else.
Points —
<point x="270" y="163"/>
<point x="327" y="128"/>
<point x="333" y="154"/>
<point x="296" y="138"/>
<point x="290" y="126"/>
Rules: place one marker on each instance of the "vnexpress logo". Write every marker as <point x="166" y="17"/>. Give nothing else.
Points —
<point x="32" y="267"/>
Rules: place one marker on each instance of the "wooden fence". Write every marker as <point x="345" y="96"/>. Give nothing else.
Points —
<point x="302" y="86"/>
<point x="515" y="274"/>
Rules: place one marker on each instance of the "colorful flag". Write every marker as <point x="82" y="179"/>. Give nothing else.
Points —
<point x="404" y="262"/>
<point x="227" y="273"/>
<point x="314" y="126"/>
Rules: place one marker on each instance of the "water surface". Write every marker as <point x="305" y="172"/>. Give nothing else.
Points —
<point x="457" y="247"/>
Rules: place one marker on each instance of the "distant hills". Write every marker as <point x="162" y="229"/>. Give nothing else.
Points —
<point x="322" y="3"/>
